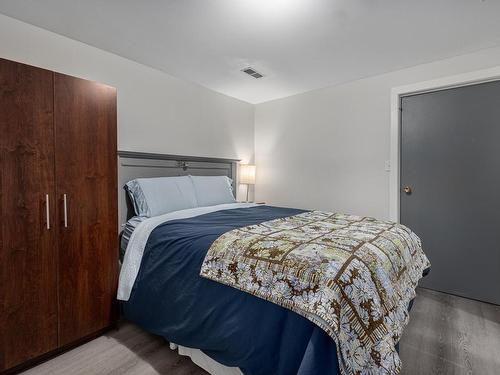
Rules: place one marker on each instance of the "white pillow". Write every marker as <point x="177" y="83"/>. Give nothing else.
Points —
<point x="212" y="190"/>
<point x="160" y="195"/>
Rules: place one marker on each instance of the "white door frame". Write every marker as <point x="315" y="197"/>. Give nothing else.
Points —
<point x="460" y="80"/>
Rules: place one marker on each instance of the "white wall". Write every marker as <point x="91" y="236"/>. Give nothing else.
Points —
<point x="156" y="112"/>
<point x="326" y="149"/>
<point x="323" y="149"/>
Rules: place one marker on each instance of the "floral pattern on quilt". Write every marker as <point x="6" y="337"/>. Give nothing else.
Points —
<point x="352" y="276"/>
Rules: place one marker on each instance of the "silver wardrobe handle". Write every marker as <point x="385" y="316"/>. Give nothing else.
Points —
<point x="65" y="211"/>
<point x="47" y="211"/>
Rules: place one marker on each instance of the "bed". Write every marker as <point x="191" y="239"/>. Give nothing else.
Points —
<point x="186" y="276"/>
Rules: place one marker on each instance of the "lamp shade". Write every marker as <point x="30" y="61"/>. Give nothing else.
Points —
<point x="247" y="174"/>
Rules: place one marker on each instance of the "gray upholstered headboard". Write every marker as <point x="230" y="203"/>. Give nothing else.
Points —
<point x="139" y="164"/>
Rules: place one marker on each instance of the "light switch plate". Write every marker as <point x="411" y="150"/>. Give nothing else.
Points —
<point x="387" y="165"/>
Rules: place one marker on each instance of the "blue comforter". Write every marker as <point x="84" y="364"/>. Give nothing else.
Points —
<point x="170" y="299"/>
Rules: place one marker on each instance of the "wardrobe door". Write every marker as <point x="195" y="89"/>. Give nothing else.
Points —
<point x="86" y="187"/>
<point x="28" y="261"/>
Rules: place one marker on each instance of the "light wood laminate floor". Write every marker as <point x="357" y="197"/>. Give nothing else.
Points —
<point x="447" y="335"/>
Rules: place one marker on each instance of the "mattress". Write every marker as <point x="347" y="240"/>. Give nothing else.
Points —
<point x="161" y="291"/>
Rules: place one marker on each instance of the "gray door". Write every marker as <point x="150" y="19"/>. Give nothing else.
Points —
<point x="450" y="159"/>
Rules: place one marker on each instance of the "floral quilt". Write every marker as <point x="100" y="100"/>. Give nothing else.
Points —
<point x="352" y="276"/>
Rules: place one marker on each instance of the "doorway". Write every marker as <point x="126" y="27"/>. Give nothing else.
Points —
<point x="450" y="185"/>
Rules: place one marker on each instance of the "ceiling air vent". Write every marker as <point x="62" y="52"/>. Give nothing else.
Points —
<point x="252" y="72"/>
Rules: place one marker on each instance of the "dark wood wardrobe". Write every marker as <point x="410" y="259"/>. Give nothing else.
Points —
<point x="58" y="212"/>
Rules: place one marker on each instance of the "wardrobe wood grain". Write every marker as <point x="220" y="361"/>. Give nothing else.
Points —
<point x="28" y="255"/>
<point x="86" y="171"/>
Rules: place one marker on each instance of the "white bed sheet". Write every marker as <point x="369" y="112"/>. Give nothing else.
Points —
<point x="139" y="238"/>
<point x="205" y="362"/>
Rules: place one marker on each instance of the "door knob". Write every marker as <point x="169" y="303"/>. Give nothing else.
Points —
<point x="407" y="189"/>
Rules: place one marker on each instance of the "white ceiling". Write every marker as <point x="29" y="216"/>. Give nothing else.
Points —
<point x="299" y="45"/>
